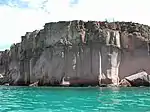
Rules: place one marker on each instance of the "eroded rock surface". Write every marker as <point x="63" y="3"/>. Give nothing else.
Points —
<point x="89" y="53"/>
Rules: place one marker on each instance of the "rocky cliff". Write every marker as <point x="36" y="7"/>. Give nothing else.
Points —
<point x="88" y="53"/>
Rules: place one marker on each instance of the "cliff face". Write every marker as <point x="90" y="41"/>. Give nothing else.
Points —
<point x="91" y="52"/>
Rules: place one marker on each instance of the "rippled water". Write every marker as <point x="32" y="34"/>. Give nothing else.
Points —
<point x="44" y="99"/>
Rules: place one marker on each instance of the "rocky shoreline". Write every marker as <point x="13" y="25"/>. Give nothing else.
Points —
<point x="77" y="53"/>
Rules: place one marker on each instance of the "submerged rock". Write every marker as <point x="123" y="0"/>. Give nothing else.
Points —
<point x="90" y="53"/>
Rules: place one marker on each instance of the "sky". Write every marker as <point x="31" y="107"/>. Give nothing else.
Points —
<point x="20" y="16"/>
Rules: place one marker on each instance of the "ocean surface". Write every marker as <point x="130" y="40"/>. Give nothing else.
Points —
<point x="56" y="99"/>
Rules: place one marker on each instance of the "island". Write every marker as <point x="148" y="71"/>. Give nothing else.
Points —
<point x="77" y="53"/>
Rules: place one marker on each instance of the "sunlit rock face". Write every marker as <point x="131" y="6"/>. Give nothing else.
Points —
<point x="87" y="53"/>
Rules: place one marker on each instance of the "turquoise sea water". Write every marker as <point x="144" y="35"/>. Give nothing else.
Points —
<point x="48" y="99"/>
